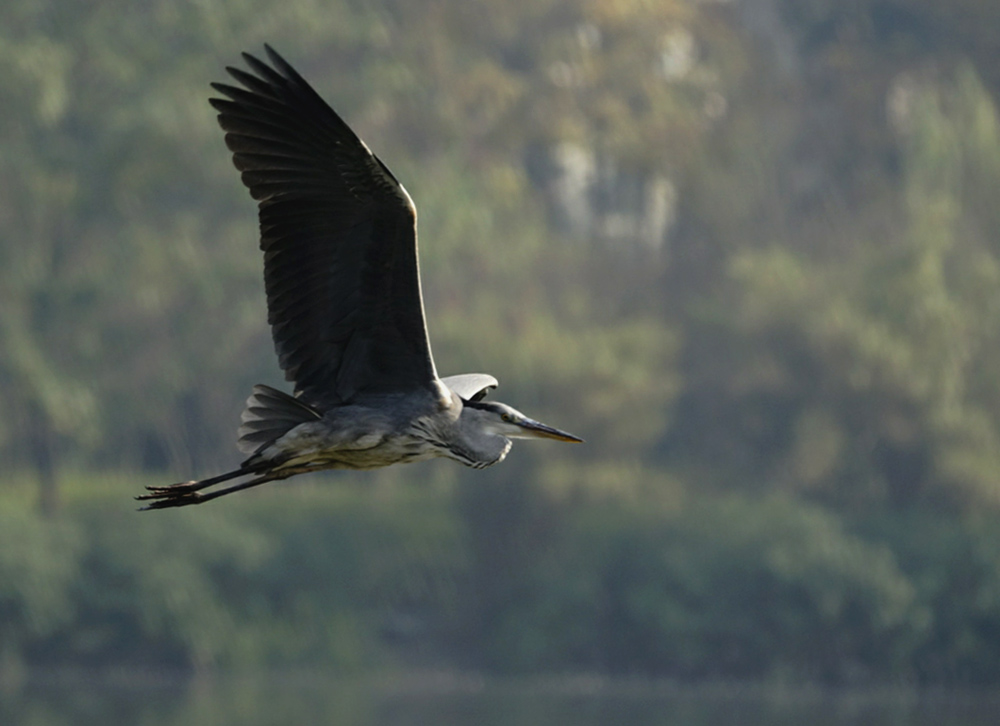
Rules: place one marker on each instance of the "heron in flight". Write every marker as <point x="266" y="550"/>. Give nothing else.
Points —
<point x="338" y="232"/>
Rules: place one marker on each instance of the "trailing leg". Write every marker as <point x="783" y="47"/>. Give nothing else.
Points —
<point x="193" y="486"/>
<point x="183" y="495"/>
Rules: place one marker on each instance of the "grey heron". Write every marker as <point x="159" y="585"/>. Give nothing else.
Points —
<point x="338" y="232"/>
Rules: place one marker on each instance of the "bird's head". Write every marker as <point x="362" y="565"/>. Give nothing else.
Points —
<point x="503" y="420"/>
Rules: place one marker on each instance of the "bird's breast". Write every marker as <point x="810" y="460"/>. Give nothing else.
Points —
<point x="305" y="450"/>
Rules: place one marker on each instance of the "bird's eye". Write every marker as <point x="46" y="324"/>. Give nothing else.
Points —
<point x="506" y="417"/>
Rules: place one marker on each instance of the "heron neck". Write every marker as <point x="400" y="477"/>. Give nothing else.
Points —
<point x="473" y="444"/>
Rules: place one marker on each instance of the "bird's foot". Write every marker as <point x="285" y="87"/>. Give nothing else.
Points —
<point x="173" y="495"/>
<point x="171" y="489"/>
<point x="165" y="501"/>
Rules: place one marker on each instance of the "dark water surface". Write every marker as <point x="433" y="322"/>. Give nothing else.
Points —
<point x="451" y="701"/>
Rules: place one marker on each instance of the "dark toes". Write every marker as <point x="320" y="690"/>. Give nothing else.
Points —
<point x="180" y="487"/>
<point x="166" y="501"/>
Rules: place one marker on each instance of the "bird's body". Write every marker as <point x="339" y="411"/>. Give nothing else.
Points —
<point x="354" y="436"/>
<point x="381" y="430"/>
<point x="338" y="232"/>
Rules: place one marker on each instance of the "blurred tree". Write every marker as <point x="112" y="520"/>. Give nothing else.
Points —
<point x="862" y="375"/>
<point x="37" y="568"/>
<point x="731" y="269"/>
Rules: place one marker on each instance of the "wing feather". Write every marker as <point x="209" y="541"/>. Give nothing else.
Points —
<point x="338" y="234"/>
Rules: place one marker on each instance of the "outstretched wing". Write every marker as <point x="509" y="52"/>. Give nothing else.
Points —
<point x="339" y="239"/>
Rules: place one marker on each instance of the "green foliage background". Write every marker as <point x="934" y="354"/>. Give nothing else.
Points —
<point x="789" y="391"/>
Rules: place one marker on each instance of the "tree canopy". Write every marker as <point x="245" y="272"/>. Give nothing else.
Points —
<point x="747" y="250"/>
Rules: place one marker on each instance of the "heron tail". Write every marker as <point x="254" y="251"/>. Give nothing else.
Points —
<point x="269" y="415"/>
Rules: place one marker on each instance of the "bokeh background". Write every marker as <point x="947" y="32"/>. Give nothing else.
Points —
<point x="749" y="249"/>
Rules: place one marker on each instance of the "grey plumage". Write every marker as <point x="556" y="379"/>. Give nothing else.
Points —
<point x="338" y="233"/>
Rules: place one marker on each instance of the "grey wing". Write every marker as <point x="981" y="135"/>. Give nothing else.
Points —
<point x="471" y="386"/>
<point x="339" y="239"/>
